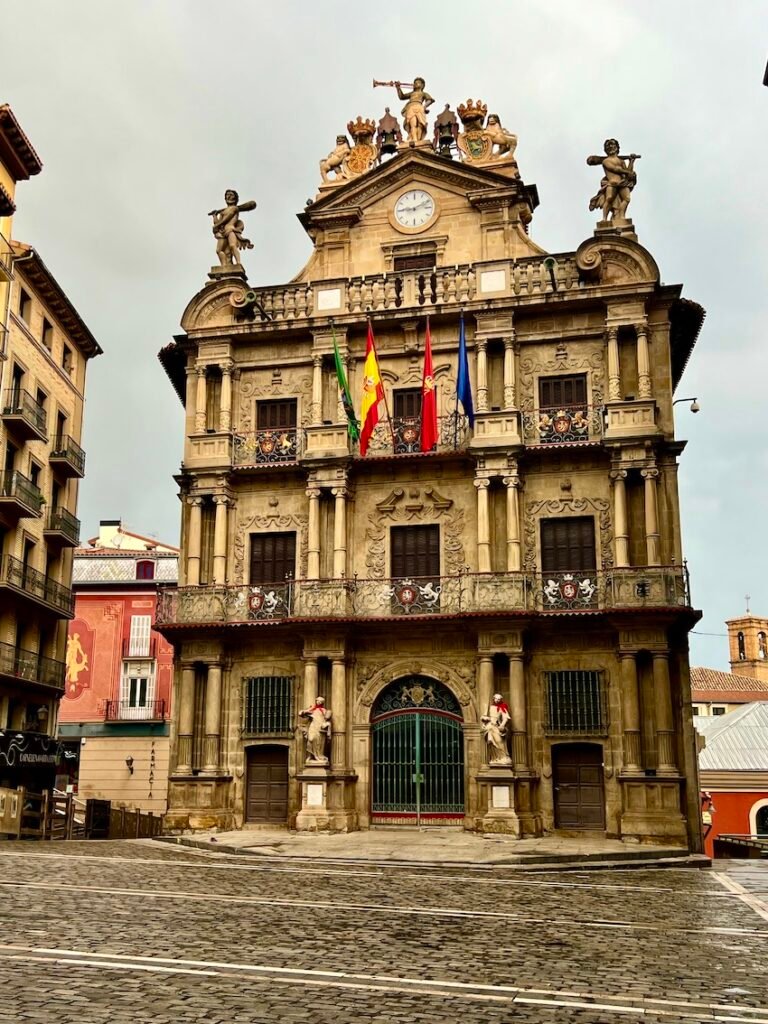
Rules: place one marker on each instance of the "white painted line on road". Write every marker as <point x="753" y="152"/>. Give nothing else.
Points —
<point x="738" y="890"/>
<point x="376" y="908"/>
<point x="388" y="983"/>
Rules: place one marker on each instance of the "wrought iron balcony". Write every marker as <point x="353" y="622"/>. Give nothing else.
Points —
<point x="130" y="711"/>
<point x="67" y="456"/>
<point x="36" y="586"/>
<point x="19" y="497"/>
<point x="18" y="663"/>
<point x="404" y="437"/>
<point x="63" y="527"/>
<point x="464" y="593"/>
<point x="279" y="446"/>
<point x="145" y="647"/>
<point x="6" y="251"/>
<point x="568" y="424"/>
<point x="24" y="415"/>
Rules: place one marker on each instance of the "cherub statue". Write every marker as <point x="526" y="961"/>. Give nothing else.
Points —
<point x="418" y="102"/>
<point x="228" y="229"/>
<point x="504" y="142"/>
<point x="335" y="161"/>
<point x="617" y="183"/>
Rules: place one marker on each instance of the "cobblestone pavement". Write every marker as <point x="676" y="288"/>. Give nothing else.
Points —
<point x="111" y="933"/>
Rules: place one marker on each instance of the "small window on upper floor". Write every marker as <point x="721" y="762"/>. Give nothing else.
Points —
<point x="67" y="359"/>
<point x="25" y="306"/>
<point x="718" y="709"/>
<point x="46" y="335"/>
<point x="565" y="392"/>
<point x="696" y="709"/>
<point x="762" y="646"/>
<point x="145" y="570"/>
<point x="34" y="473"/>
<point x="742" y="649"/>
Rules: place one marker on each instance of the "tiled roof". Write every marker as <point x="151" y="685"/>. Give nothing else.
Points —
<point x="15" y="147"/>
<point x="737" y="741"/>
<point x="709" y="680"/>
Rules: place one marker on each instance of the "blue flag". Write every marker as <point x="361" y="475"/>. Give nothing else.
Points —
<point x="463" y="385"/>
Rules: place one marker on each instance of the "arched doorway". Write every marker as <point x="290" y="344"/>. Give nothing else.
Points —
<point x="577" y="779"/>
<point x="418" y="754"/>
<point x="266" y="790"/>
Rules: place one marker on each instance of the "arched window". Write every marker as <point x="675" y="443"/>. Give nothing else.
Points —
<point x="145" y="570"/>
<point x="740" y="641"/>
<point x="762" y="647"/>
<point x="761" y="821"/>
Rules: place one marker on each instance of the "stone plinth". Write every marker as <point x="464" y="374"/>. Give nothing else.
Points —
<point x="327" y="800"/>
<point x="651" y="808"/>
<point x="498" y="784"/>
<point x="236" y="272"/>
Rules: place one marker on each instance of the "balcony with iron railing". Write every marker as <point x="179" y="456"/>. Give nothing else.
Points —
<point x="67" y="456"/>
<point x="35" y="586"/>
<point x="461" y="594"/>
<point x="140" y="647"/>
<point x="135" y="711"/>
<point x="24" y="415"/>
<point x="62" y="528"/>
<point x="6" y="254"/>
<point x="19" y="497"/>
<point x="403" y="436"/>
<point x="32" y="667"/>
<point x="277" y="446"/>
<point x="560" y="425"/>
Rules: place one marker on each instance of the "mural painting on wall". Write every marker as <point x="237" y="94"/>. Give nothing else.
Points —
<point x="79" y="659"/>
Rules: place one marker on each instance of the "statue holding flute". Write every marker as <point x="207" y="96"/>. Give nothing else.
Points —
<point x="417" y="103"/>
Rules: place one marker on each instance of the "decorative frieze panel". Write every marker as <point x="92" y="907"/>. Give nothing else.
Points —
<point x="424" y="505"/>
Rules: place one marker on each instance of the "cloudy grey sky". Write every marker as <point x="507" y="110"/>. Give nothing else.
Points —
<point x="143" y="113"/>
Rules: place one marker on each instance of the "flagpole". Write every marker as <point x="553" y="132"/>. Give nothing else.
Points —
<point x="383" y="388"/>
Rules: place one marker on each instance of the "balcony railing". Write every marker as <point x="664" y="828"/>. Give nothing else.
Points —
<point x="20" y="408"/>
<point x="62" y="522"/>
<point x="31" y="666"/>
<point x="130" y="711"/>
<point x="404" y="436"/>
<point x="36" y="585"/>
<point x="139" y="648"/>
<point x="16" y="486"/>
<point x="563" y="425"/>
<point x="464" y="593"/>
<point x="267" y="447"/>
<point x="67" y="455"/>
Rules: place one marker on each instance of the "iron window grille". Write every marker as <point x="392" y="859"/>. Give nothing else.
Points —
<point x="268" y="705"/>
<point x="575" y="702"/>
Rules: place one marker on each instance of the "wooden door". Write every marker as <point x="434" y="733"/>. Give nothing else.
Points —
<point x="415" y="551"/>
<point x="273" y="558"/>
<point x="577" y="778"/>
<point x="568" y="544"/>
<point x="266" y="794"/>
<point x="563" y="392"/>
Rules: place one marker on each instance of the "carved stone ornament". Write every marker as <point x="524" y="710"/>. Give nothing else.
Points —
<point x="400" y="668"/>
<point x="590" y="360"/>
<point x="362" y="156"/>
<point x="418" y="505"/>
<point x="536" y="510"/>
<point x="484" y="142"/>
<point x="228" y="229"/>
<point x="264" y="523"/>
<point x="250" y="391"/>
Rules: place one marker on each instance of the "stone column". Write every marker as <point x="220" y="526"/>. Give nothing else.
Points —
<point x="313" y="534"/>
<point x="614" y="378"/>
<point x="212" y="733"/>
<point x="339" y="713"/>
<point x="317" y="389"/>
<point x="620" y="525"/>
<point x="220" y="540"/>
<point x="665" y="747"/>
<point x="651" y="516"/>
<point x="200" y="399"/>
<point x="310" y="682"/>
<point x="190" y="404"/>
<point x="186" y="719"/>
<point x="225" y="418"/>
<point x="484" y="682"/>
<point x="340" y="533"/>
<point x="509" y="372"/>
<point x="193" y="541"/>
<point x="483" y="527"/>
<point x="482" y="375"/>
<point x="517" y="712"/>
<point x="514" y="556"/>
<point x="643" y="363"/>
<point x="630" y="709"/>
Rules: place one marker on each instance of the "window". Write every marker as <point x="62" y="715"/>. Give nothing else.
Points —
<point x="34" y="473"/>
<point x="145" y="570"/>
<point x="137" y="689"/>
<point x="273" y="558"/>
<point x="718" y="709"/>
<point x="575" y="702"/>
<point x="42" y="401"/>
<point x="696" y="709"/>
<point x="67" y="359"/>
<point x="25" y="306"/>
<point x="407" y="403"/>
<point x="568" y="545"/>
<point x="415" y="551"/>
<point x="138" y="643"/>
<point x="563" y="392"/>
<point x="762" y="649"/>
<point x="213" y="399"/>
<point x="742" y="651"/>
<point x="46" y="335"/>
<point x="276" y="414"/>
<point x="17" y="382"/>
<point x="268" y="705"/>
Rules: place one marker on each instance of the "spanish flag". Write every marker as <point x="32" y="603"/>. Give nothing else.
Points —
<point x="373" y="392"/>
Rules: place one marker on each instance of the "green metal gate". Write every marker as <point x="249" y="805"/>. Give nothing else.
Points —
<point x="418" y="754"/>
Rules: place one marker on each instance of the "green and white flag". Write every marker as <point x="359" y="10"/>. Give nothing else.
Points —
<point x="353" y="427"/>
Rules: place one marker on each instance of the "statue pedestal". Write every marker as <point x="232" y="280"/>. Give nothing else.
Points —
<point x="236" y="272"/>
<point x="624" y="227"/>
<point x="327" y="800"/>
<point x="406" y="144"/>
<point x="498" y="782"/>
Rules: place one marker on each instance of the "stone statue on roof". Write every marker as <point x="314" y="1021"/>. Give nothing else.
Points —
<point x="619" y="178"/>
<point x="228" y="229"/>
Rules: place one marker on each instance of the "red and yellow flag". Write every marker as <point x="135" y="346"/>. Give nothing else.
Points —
<point x="428" y="399"/>
<point x="373" y="392"/>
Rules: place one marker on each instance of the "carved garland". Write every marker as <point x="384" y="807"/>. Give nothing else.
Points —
<point x="592" y="364"/>
<point x="273" y="521"/>
<point x="536" y="510"/>
<point x="250" y="392"/>
<point x="397" y="508"/>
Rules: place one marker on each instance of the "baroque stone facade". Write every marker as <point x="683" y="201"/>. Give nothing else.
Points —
<point x="534" y="555"/>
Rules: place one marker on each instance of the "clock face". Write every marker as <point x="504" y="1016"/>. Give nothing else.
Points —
<point x="414" y="208"/>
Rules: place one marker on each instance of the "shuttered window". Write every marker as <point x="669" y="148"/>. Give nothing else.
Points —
<point x="277" y="414"/>
<point x="138" y="643"/>
<point x="415" y="551"/>
<point x="268" y="705"/>
<point x="568" y="544"/>
<point x="575" y="702"/>
<point x="563" y="392"/>
<point x="407" y="403"/>
<point x="273" y="557"/>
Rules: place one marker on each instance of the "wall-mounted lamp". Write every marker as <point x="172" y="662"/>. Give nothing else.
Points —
<point x="695" y="407"/>
<point x="129" y="764"/>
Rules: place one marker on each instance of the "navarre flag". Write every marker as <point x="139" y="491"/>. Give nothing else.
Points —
<point x="353" y="427"/>
<point x="463" y="385"/>
<point x="373" y="392"/>
<point x="428" y="399"/>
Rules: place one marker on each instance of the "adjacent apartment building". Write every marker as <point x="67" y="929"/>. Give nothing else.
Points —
<point x="535" y="554"/>
<point x="113" y="718"/>
<point x="45" y="348"/>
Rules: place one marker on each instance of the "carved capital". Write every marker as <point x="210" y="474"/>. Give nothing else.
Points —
<point x="201" y="371"/>
<point x="220" y="499"/>
<point x="618" y="474"/>
<point x="512" y="481"/>
<point x="340" y="492"/>
<point x="481" y="344"/>
<point x="612" y="333"/>
<point x="482" y="483"/>
<point x="226" y="366"/>
<point x="194" y="501"/>
<point x="313" y="492"/>
<point x="649" y="474"/>
<point x="509" y="341"/>
<point x="317" y="361"/>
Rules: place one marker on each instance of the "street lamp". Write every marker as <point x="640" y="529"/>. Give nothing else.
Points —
<point x="695" y="407"/>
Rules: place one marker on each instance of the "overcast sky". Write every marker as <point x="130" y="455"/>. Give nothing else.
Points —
<point x="144" y="112"/>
